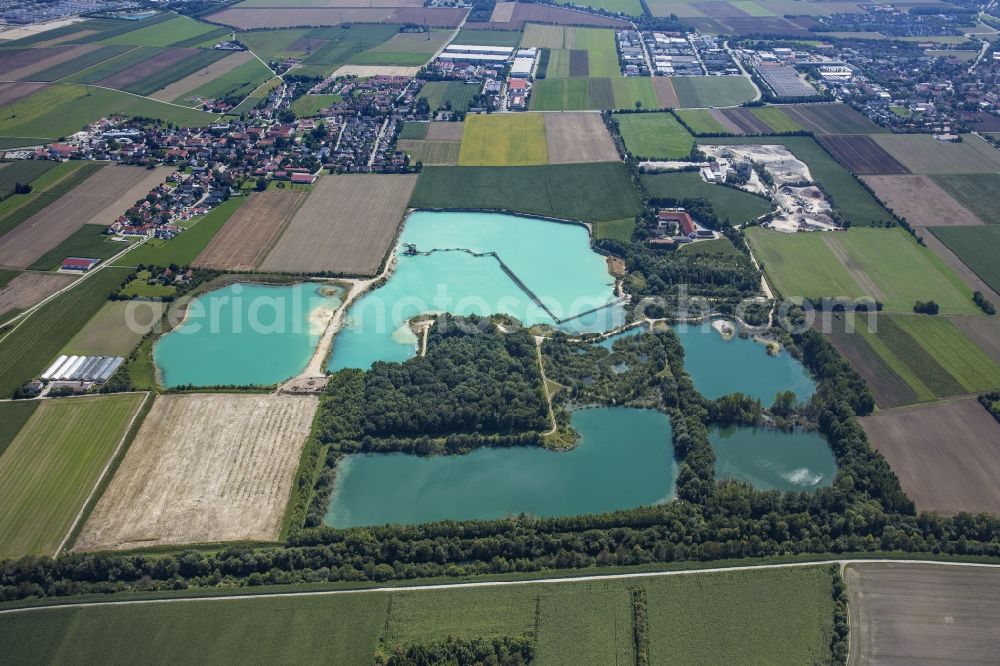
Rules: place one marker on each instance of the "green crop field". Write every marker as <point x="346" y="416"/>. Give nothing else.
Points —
<point x="513" y="139"/>
<point x="271" y="44"/>
<point x="51" y="467"/>
<point x="630" y="7"/>
<point x="28" y="349"/>
<point x="80" y="63"/>
<point x="47" y="189"/>
<point x="343" y="44"/>
<point x="760" y="617"/>
<point x="165" y="33"/>
<point x="856" y="204"/>
<point x="654" y="135"/>
<point x="977" y="247"/>
<point x="701" y="121"/>
<point x="884" y="264"/>
<point x="727" y="203"/>
<point x="404" y="49"/>
<point x="115" y="330"/>
<point x="441" y="94"/>
<point x="183" y="248"/>
<point x="414" y="130"/>
<point x="62" y="109"/>
<point x="587" y="192"/>
<point x="238" y="82"/>
<point x="581" y="94"/>
<point x="488" y="37"/>
<point x="776" y="120"/>
<point x="709" y="91"/>
<point x="628" y="91"/>
<point x="722" y="246"/>
<point x="975" y="191"/>
<point x="830" y="119"/>
<point x="621" y="229"/>
<point x="131" y="57"/>
<point x="87" y="241"/>
<point x="202" y="59"/>
<point x="13" y="416"/>
<point x="23" y="172"/>
<point x="431" y="152"/>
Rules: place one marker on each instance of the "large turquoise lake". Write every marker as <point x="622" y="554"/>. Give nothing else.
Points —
<point x="245" y="334"/>
<point x="624" y="459"/>
<point x="719" y="367"/>
<point x="773" y="460"/>
<point x="553" y="260"/>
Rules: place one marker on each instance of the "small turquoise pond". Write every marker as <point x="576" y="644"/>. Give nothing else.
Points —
<point x="773" y="460"/>
<point x="624" y="459"/>
<point x="245" y="334"/>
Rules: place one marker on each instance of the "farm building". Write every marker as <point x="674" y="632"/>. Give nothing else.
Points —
<point x="522" y="67"/>
<point x="82" y="264"/>
<point x="82" y="368"/>
<point x="303" y="178"/>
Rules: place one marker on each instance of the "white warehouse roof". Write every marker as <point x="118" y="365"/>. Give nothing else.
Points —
<point x="479" y="49"/>
<point x="522" y="66"/>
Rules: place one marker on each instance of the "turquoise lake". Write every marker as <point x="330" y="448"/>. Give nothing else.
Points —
<point x="554" y="260"/>
<point x="773" y="460"/>
<point x="245" y="334"/>
<point x="719" y="367"/>
<point x="624" y="459"/>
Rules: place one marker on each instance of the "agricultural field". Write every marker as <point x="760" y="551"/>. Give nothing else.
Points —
<point x="977" y="192"/>
<point x="165" y="33"/>
<point x="666" y="96"/>
<point x="405" y="48"/>
<point x="709" y="91"/>
<point x="654" y="135"/>
<point x="944" y="454"/>
<point x="978" y="247"/>
<point x="32" y="64"/>
<point x="414" y="130"/>
<point x="204" y="468"/>
<point x="514" y="139"/>
<point x="346" y="225"/>
<point x="923" y="154"/>
<point x="587" y="192"/>
<point x="630" y="7"/>
<point x="171" y="65"/>
<point x="46" y="189"/>
<point x="98" y="200"/>
<point x="116" y="329"/>
<point x="251" y="231"/>
<point x="862" y="155"/>
<point x="234" y="76"/>
<point x="87" y="241"/>
<point x="578" y="137"/>
<point x="830" y="119"/>
<point x="185" y="247"/>
<point x="454" y="95"/>
<point x="701" y="121"/>
<point x="28" y="289"/>
<point x="13" y="415"/>
<point x="921" y="201"/>
<point x="281" y="17"/>
<point x="27" y="349"/>
<point x="884" y="264"/>
<point x="922" y="613"/>
<point x="727" y="203"/>
<point x="310" y="105"/>
<point x="581" y="94"/>
<point x="53" y="464"/>
<point x="271" y="44"/>
<point x="21" y="172"/>
<point x="620" y="229"/>
<point x="431" y="152"/>
<point x="488" y="37"/>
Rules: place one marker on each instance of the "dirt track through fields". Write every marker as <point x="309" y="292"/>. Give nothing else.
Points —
<point x="30" y="288"/>
<point x="204" y="468"/>
<point x="99" y="199"/>
<point x="250" y="233"/>
<point x="345" y="226"/>
<point x="202" y="76"/>
<point x="578" y="137"/>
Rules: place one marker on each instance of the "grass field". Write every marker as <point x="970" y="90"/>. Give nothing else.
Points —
<point x="728" y="203"/>
<point x="722" y="246"/>
<point x="855" y="204"/>
<point x="310" y="105"/>
<point x="413" y="130"/>
<point x="701" y="121"/>
<point x="270" y="44"/>
<point x="116" y="329"/>
<point x="183" y="248"/>
<point x="884" y="264"/>
<point x="708" y="91"/>
<point x="13" y="416"/>
<point x="448" y="94"/>
<point x="514" y="139"/>
<point x="776" y="120"/>
<point x="580" y="94"/>
<point x="978" y="247"/>
<point x="50" y="468"/>
<point x="23" y="172"/>
<point x="166" y="33"/>
<point x="588" y="192"/>
<point x="28" y="349"/>
<point x="620" y="229"/>
<point x="977" y="192"/>
<point x="654" y="135"/>
<point x="87" y="241"/>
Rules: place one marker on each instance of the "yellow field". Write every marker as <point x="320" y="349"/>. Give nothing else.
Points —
<point x="515" y="139"/>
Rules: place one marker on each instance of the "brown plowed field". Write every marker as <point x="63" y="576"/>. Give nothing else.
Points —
<point x="724" y="120"/>
<point x="21" y="64"/>
<point x="861" y="154"/>
<point x="345" y="226"/>
<point x="204" y="469"/>
<point x="251" y="232"/>
<point x="923" y="614"/>
<point x="984" y="331"/>
<point x="164" y="60"/>
<point x="746" y="121"/>
<point x="11" y="92"/>
<point x="578" y="137"/>
<point x="202" y="76"/>
<point x="945" y="454"/>
<point x="921" y="201"/>
<point x="100" y="199"/>
<point x="665" y="93"/>
<point x="27" y="289"/>
<point x="503" y="12"/>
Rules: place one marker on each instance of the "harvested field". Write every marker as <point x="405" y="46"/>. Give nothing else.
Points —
<point x="164" y="60"/>
<point x="861" y="154"/>
<point x="251" y="232"/>
<point x="274" y="17"/>
<point x="11" y="92"/>
<point x="665" y="92"/>
<point x="503" y="12"/>
<point x="922" y="614"/>
<point x="28" y="289"/>
<point x="116" y="329"/>
<point x="376" y="70"/>
<point x="944" y="454"/>
<point x="746" y="122"/>
<point x="923" y="154"/>
<point x="345" y="226"/>
<point x="202" y="76"/>
<point x="98" y="200"/>
<point x="445" y="131"/>
<point x="921" y="201"/>
<point x="204" y="469"/>
<point x="23" y="63"/>
<point x="578" y="137"/>
<point x="831" y="119"/>
<point x="431" y="152"/>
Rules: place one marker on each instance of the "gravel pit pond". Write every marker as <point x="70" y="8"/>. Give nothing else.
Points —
<point x="604" y="472"/>
<point x="551" y="260"/>
<point x="245" y="334"/>
<point x="773" y="460"/>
